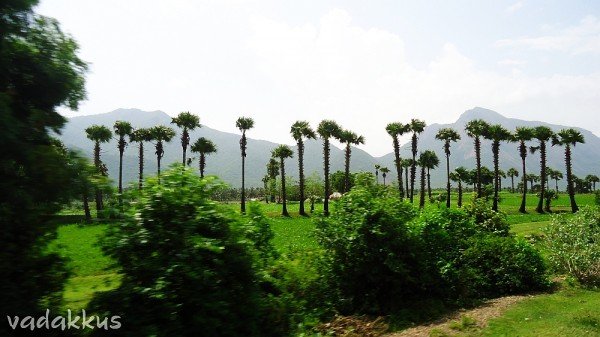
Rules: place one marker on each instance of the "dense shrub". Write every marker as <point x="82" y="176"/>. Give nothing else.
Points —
<point x="486" y="219"/>
<point x="573" y="244"/>
<point x="189" y="266"/>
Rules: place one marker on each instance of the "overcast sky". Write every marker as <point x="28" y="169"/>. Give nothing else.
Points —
<point x="361" y="63"/>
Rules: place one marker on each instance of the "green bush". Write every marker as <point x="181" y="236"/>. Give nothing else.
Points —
<point x="486" y="219"/>
<point x="189" y="266"/>
<point x="573" y="244"/>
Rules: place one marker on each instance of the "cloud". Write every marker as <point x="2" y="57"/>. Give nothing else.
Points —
<point x="515" y="7"/>
<point x="579" y="39"/>
<point x="362" y="78"/>
<point x="511" y="62"/>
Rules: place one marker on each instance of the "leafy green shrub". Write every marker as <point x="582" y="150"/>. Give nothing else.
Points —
<point x="495" y="265"/>
<point x="189" y="266"/>
<point x="573" y="244"/>
<point x="486" y="219"/>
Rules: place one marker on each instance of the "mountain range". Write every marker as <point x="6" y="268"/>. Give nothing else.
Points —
<point x="226" y="163"/>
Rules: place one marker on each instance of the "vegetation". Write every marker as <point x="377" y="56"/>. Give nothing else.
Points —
<point x="122" y="129"/>
<point x="416" y="126"/>
<point x="396" y="130"/>
<point x="203" y="147"/>
<point x="327" y="129"/>
<point x="282" y="152"/>
<point x="446" y="135"/>
<point x="160" y="134"/>
<point x="187" y="122"/>
<point x="244" y="124"/>
<point x="299" y="131"/>
<point x="476" y="129"/>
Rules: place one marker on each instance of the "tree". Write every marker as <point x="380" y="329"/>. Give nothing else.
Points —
<point x="122" y="129"/>
<point x="459" y="175"/>
<point x="416" y="126"/>
<point x="327" y="129"/>
<point x="568" y="138"/>
<point x="377" y="168"/>
<point x="501" y="175"/>
<point x="395" y="130"/>
<point x="447" y="135"/>
<point x="349" y="138"/>
<point x="407" y="164"/>
<point x="593" y="179"/>
<point x="244" y="124"/>
<point x="282" y="152"/>
<point x="160" y="134"/>
<point x="555" y="175"/>
<point x="187" y="122"/>
<point x="532" y="178"/>
<point x="542" y="134"/>
<point x="140" y="136"/>
<point x="512" y="173"/>
<point x="496" y="133"/>
<point x="299" y="131"/>
<point x="39" y="72"/>
<point x="476" y="129"/>
<point x="272" y="172"/>
<point x="422" y="164"/>
<point x="430" y="161"/>
<point x="98" y="134"/>
<point x="384" y="172"/>
<point x="204" y="147"/>
<point x="522" y="135"/>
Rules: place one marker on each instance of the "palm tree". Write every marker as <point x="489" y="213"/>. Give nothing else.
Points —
<point x="568" y="138"/>
<point x="282" y="152"/>
<point x="326" y="130"/>
<point x="422" y="161"/>
<point x="523" y="135"/>
<point x="459" y="175"/>
<point x="476" y="129"/>
<point x="496" y="133"/>
<point x="396" y="130"/>
<point x="349" y="138"/>
<point x="203" y="147"/>
<point x="122" y="129"/>
<point x="273" y="172"/>
<point x="244" y="124"/>
<point x="299" y="131"/>
<point x="555" y="175"/>
<point x="447" y="135"/>
<point x="416" y="126"/>
<point x="406" y="164"/>
<point x="384" y="172"/>
<point x="160" y="134"/>
<point x="377" y="168"/>
<point x="188" y="122"/>
<point x="532" y="178"/>
<point x="593" y="179"/>
<point x="265" y="181"/>
<point x="98" y="134"/>
<point x="430" y="162"/>
<point x="140" y="136"/>
<point x="542" y="134"/>
<point x="512" y="173"/>
<point x="501" y="175"/>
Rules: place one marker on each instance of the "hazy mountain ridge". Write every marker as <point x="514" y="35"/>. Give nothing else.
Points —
<point x="226" y="163"/>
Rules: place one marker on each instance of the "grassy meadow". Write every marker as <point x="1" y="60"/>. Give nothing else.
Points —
<point x="566" y="312"/>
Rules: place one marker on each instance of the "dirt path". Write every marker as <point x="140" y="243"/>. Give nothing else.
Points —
<point x="463" y="320"/>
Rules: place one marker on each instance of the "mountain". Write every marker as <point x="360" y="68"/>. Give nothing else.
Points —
<point x="226" y="163"/>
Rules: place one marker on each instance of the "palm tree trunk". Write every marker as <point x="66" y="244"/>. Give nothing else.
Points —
<point x="447" y="180"/>
<point x="413" y="168"/>
<point x="120" y="174"/>
<point x="243" y="204"/>
<point x="524" y="199"/>
<point x="556" y="182"/>
<point x="202" y="163"/>
<point x="574" y="207"/>
<point x="478" y="159"/>
<point x="496" y="152"/>
<point x="184" y="141"/>
<point x="141" y="166"/>
<point x="86" y="207"/>
<point x="284" y="212"/>
<point x="407" y="190"/>
<point x="460" y="193"/>
<point x="428" y="184"/>
<point x="512" y="184"/>
<point x="398" y="167"/>
<point x="97" y="164"/>
<point x="540" y="206"/>
<point x="347" y="169"/>
<point x="326" y="173"/>
<point x="422" y="199"/>
<point x="301" y="174"/>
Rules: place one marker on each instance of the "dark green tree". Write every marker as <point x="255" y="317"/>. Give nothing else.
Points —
<point x="555" y="175"/>
<point x="592" y="179"/>
<point x="459" y="175"/>
<point x="160" y="134"/>
<point x="476" y="129"/>
<point x="272" y="172"/>
<point x="496" y="133"/>
<point x="522" y="135"/>
<point x="512" y="173"/>
<point x="122" y="129"/>
<point x="384" y="172"/>
<point x="407" y="164"/>
<point x="416" y="127"/>
<point x="447" y="135"/>
<point x="377" y="168"/>
<point x="301" y="130"/>
<point x="140" y="136"/>
<point x="244" y="124"/>
<point x="327" y="129"/>
<point x="98" y="134"/>
<point x="282" y="152"/>
<point x="568" y="138"/>
<point x="204" y="147"/>
<point x="349" y="138"/>
<point x="543" y="134"/>
<point x="395" y="130"/>
<point x="430" y="161"/>
<point x="187" y="122"/>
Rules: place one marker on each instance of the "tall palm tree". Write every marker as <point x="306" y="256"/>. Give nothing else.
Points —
<point x="555" y="175"/>
<point x="496" y="133"/>
<point x="416" y="126"/>
<point x="422" y="162"/>
<point x="384" y="172"/>
<point x="299" y="131"/>
<point x="377" y="168"/>
<point x="282" y="152"/>
<point x="407" y="164"/>
<point x="98" y="134"/>
<point x="501" y="175"/>
<point x="592" y="179"/>
<point x="187" y="122"/>
<point x="272" y="172"/>
<point x="395" y="130"/>
<point x="244" y="124"/>
<point x="447" y="135"/>
<point x="568" y="138"/>
<point x="543" y="134"/>
<point x="349" y="138"/>
<point x="140" y="136"/>
<point x="459" y="175"/>
<point x="122" y="129"/>
<point x="203" y="147"/>
<point x="430" y="161"/>
<point x="476" y="129"/>
<point x="522" y="135"/>
<point x="512" y="173"/>
<point x="532" y="179"/>
<point x="265" y="181"/>
<point x="326" y="130"/>
<point x="160" y="134"/>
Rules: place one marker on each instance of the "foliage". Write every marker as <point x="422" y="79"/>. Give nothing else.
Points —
<point x="486" y="219"/>
<point x="573" y="245"/>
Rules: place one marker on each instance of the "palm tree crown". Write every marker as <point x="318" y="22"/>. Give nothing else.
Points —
<point x="244" y="124"/>
<point x="496" y="133"/>
<point x="187" y="122"/>
<point x="326" y="130"/>
<point x="98" y="133"/>
<point x="349" y="138"/>
<point x="122" y="129"/>
<point x="568" y="138"/>
<point x="447" y="135"/>
<point x="476" y="129"/>
<point x="396" y="130"/>
<point x="283" y="152"/>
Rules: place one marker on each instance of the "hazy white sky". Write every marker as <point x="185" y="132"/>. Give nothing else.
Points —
<point x="361" y="63"/>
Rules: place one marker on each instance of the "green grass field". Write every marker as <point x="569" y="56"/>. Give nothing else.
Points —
<point x="567" y="312"/>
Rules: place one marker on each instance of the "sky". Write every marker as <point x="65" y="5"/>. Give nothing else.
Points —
<point x="361" y="63"/>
